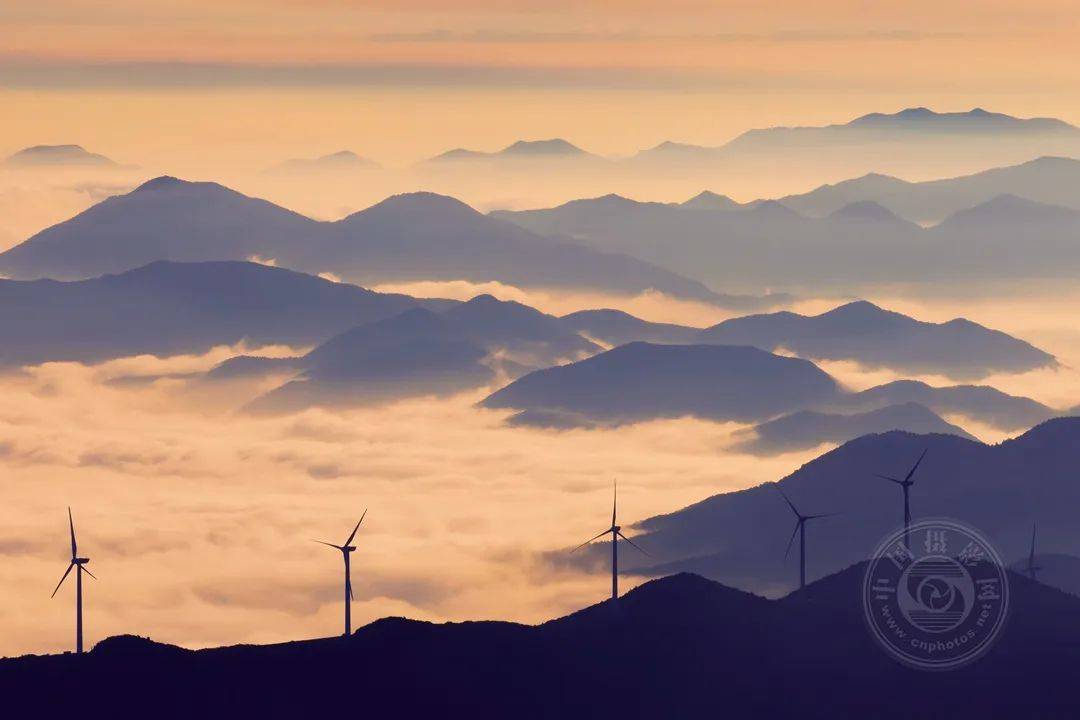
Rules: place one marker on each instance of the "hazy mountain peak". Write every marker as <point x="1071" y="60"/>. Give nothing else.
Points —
<point x="862" y="309"/>
<point x="708" y="200"/>
<point x="1008" y="207"/>
<point x="773" y="208"/>
<point x="554" y="146"/>
<point x="335" y="161"/>
<point x="866" y="210"/>
<point x="422" y="203"/>
<point x="164" y="182"/>
<point x="973" y="119"/>
<point x="57" y="155"/>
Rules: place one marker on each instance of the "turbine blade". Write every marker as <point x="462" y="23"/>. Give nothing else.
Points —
<point x="890" y="479"/>
<point x="792" y="540"/>
<point x="916" y="465"/>
<point x="614" y="500"/>
<point x="321" y="542"/>
<point x="822" y="515"/>
<point x="88" y="572"/>
<point x="634" y="544"/>
<point x="71" y="524"/>
<point x="349" y="541"/>
<point x="590" y="540"/>
<point x="66" y="572"/>
<point x="788" y="501"/>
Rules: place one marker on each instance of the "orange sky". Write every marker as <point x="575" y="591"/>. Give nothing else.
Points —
<point x="411" y="77"/>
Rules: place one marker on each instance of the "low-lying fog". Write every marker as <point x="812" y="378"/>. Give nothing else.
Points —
<point x="199" y="522"/>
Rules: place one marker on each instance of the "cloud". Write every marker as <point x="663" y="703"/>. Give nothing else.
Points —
<point x="199" y="521"/>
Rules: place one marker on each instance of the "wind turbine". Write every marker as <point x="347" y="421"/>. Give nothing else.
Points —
<point x="1032" y="569"/>
<point x="800" y="530"/>
<point x="80" y="563"/>
<point x="346" y="550"/>
<point x="906" y="484"/>
<point x="616" y="533"/>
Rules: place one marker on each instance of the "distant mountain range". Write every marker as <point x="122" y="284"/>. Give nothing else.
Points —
<point x="1048" y="180"/>
<point x="860" y="243"/>
<point x="679" y="647"/>
<point x="921" y="120"/>
<point x="917" y="129"/>
<point x="641" y="381"/>
<point x="903" y="126"/>
<point x="859" y="331"/>
<point x="416" y="353"/>
<point x="341" y="161"/>
<point x="739" y="537"/>
<point x="615" y="327"/>
<point x="986" y="404"/>
<point x="522" y="150"/>
<point x="413" y="237"/>
<point x="413" y="354"/>
<point x="57" y="156"/>
<point x="808" y="428"/>
<point x="796" y="403"/>
<point x="170" y="308"/>
<point x="875" y="337"/>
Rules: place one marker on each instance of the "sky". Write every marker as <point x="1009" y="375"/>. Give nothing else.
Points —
<point x="401" y="80"/>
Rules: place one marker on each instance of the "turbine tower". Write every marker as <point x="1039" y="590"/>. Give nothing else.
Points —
<point x="616" y="533"/>
<point x="1032" y="568"/>
<point x="80" y="564"/>
<point x="346" y="550"/>
<point x="800" y="530"/>
<point x="906" y="484"/>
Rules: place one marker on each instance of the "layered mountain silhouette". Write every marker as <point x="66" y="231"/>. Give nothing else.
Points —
<point x="859" y="241"/>
<point x="615" y="327"/>
<point x="859" y="331"/>
<point x="807" y="428"/>
<point x="556" y="148"/>
<point x="337" y="162"/>
<point x="893" y="126"/>
<point x="875" y="337"/>
<point x="914" y="140"/>
<point x="413" y="354"/>
<point x="57" y="156"/>
<point x="983" y="403"/>
<point x="168" y="308"/>
<point x="1050" y="180"/>
<point x="420" y="236"/>
<point x="643" y="381"/>
<point x="416" y="353"/>
<point x="682" y="646"/>
<point x="739" y="538"/>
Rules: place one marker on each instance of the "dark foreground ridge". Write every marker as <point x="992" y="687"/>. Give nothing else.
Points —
<point x="677" y="647"/>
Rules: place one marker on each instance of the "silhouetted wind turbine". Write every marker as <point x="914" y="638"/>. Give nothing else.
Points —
<point x="906" y="484"/>
<point x="346" y="549"/>
<point x="1031" y="567"/>
<point x="800" y="530"/>
<point x="80" y="563"/>
<point x="616" y="533"/>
